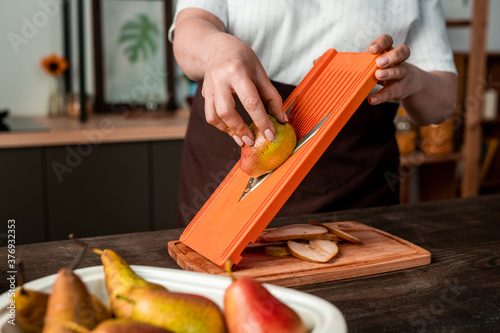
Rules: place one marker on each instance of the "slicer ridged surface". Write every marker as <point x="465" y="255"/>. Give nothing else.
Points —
<point x="337" y="83"/>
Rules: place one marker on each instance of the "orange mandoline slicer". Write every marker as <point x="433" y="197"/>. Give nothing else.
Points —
<point x="330" y="93"/>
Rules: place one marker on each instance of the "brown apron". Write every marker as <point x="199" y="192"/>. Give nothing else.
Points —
<point x="355" y="171"/>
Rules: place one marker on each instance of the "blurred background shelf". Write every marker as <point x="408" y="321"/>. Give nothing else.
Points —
<point x="419" y="158"/>
<point x="473" y="167"/>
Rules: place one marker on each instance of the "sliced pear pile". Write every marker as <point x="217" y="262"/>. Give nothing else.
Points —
<point x="313" y="242"/>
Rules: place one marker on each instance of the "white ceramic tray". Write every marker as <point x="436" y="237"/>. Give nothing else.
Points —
<point x="319" y="315"/>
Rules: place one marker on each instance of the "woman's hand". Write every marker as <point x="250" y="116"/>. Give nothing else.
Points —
<point x="227" y="67"/>
<point x="394" y="74"/>
<point x="233" y="68"/>
<point x="428" y="97"/>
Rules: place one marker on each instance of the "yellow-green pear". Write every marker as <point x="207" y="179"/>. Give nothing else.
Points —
<point x="179" y="312"/>
<point x="102" y="312"/>
<point x="69" y="301"/>
<point x="31" y="306"/>
<point x="121" y="325"/>
<point x="123" y="285"/>
<point x="266" y="156"/>
<point x="30" y="309"/>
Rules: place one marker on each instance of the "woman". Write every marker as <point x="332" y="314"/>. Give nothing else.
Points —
<point x="249" y="56"/>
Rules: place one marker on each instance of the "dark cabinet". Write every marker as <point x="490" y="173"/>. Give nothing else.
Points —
<point x="106" y="191"/>
<point x="166" y="163"/>
<point x="89" y="190"/>
<point x="22" y="195"/>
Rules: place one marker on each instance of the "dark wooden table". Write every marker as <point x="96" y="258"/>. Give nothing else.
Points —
<point x="458" y="292"/>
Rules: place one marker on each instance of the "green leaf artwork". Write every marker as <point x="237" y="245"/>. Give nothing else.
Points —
<point x="140" y="36"/>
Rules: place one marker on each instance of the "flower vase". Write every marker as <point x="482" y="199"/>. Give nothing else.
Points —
<point x="56" y="97"/>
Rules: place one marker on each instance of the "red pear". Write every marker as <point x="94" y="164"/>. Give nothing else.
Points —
<point x="250" y="307"/>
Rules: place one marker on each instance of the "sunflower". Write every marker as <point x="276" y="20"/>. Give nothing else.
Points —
<point x="54" y="65"/>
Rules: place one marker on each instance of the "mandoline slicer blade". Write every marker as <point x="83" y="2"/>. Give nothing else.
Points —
<point x="338" y="82"/>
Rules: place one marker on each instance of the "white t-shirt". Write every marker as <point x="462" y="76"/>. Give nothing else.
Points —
<point x="287" y="35"/>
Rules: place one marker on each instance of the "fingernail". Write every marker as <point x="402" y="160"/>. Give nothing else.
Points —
<point x="381" y="73"/>
<point x="248" y="141"/>
<point x="375" y="48"/>
<point x="238" y="141"/>
<point x="285" y="116"/>
<point x="382" y="61"/>
<point x="269" y="135"/>
<point x="373" y="100"/>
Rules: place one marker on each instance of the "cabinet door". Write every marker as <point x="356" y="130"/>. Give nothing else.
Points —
<point x="21" y="195"/>
<point x="98" y="190"/>
<point x="166" y="157"/>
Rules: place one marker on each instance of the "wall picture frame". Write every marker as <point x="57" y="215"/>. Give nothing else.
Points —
<point x="132" y="55"/>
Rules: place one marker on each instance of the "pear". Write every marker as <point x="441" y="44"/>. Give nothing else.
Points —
<point x="265" y="156"/>
<point x="294" y="231"/>
<point x="179" y="312"/>
<point x="30" y="309"/>
<point x="250" y="307"/>
<point x="123" y="285"/>
<point x="121" y="325"/>
<point x="69" y="301"/>
<point x="340" y="233"/>
<point x="263" y="244"/>
<point x="328" y="236"/>
<point x="316" y="250"/>
<point x="31" y="306"/>
<point x="102" y="312"/>
<point x="276" y="250"/>
<point x="115" y="325"/>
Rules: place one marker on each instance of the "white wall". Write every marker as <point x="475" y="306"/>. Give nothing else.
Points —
<point x="29" y="31"/>
<point x="24" y="87"/>
<point x="460" y="37"/>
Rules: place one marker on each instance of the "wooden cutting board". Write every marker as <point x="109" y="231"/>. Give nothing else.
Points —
<point x="379" y="252"/>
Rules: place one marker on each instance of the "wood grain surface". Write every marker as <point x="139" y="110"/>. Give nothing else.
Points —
<point x="459" y="291"/>
<point x="100" y="128"/>
<point x="379" y="252"/>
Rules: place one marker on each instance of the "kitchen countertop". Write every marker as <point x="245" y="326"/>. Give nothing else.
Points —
<point x="459" y="291"/>
<point x="104" y="127"/>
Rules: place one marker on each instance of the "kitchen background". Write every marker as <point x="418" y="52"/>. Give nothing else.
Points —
<point x="130" y="184"/>
<point x="24" y="87"/>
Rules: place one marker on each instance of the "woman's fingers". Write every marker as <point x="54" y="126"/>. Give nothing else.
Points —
<point x="392" y="73"/>
<point x="271" y="97"/>
<point x="211" y="115"/>
<point x="220" y="110"/>
<point x="392" y="90"/>
<point x="235" y="69"/>
<point x="251" y="101"/>
<point x="380" y="44"/>
<point x="213" y="118"/>
<point x="393" y="57"/>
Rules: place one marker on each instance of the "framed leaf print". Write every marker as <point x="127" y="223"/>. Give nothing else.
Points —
<point x="133" y="58"/>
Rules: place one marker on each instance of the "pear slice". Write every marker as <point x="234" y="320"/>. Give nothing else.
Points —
<point x="276" y="250"/>
<point x="316" y="250"/>
<point x="338" y="232"/>
<point x="294" y="231"/>
<point x="330" y="237"/>
<point x="263" y="244"/>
